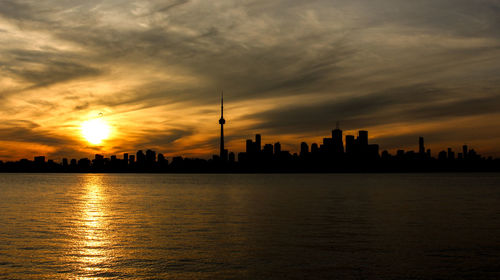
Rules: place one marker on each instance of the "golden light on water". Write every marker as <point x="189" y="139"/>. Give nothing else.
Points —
<point x="95" y="130"/>
<point x="93" y="246"/>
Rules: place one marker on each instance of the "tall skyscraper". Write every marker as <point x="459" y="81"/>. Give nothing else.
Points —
<point x="258" y="142"/>
<point x="421" y="148"/>
<point x="222" y="121"/>
<point x="363" y="138"/>
<point x="150" y="157"/>
<point x="140" y="157"/>
<point x="277" y="148"/>
<point x="304" y="149"/>
<point x="451" y="154"/>
<point x="338" y="144"/>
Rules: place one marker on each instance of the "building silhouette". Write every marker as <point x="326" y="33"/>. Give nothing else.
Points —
<point x="421" y="148"/>
<point x="335" y="154"/>
<point x="304" y="149"/>
<point x="338" y="143"/>
<point x="222" y="121"/>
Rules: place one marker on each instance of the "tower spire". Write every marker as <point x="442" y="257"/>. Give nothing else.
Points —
<point x="222" y="122"/>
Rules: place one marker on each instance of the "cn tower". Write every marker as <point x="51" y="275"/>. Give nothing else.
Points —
<point x="222" y="121"/>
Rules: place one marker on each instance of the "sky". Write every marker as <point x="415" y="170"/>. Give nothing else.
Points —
<point x="154" y="71"/>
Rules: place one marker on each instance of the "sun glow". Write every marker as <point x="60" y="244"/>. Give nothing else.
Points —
<point x="95" y="130"/>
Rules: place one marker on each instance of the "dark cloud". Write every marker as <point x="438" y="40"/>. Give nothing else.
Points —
<point x="82" y="106"/>
<point x="30" y="132"/>
<point x="19" y="123"/>
<point x="16" y="10"/>
<point x="153" y="138"/>
<point x="44" y="68"/>
<point x="371" y="62"/>
<point x="399" y="105"/>
<point x="167" y="6"/>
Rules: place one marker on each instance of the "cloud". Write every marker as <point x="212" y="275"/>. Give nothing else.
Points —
<point x="44" y="68"/>
<point x="158" y="138"/>
<point x="29" y="132"/>
<point x="83" y="106"/>
<point x="407" y="104"/>
<point x="365" y="63"/>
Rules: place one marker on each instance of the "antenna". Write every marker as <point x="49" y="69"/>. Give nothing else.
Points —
<point x="338" y="125"/>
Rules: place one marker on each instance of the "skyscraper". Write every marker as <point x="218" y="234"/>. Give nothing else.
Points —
<point x="140" y="157"/>
<point x="277" y="148"/>
<point x="150" y="157"/>
<point x="258" y="142"/>
<point x="421" y="148"/>
<point x="363" y="139"/>
<point x="338" y="144"/>
<point x="304" y="149"/>
<point x="451" y="154"/>
<point x="222" y="122"/>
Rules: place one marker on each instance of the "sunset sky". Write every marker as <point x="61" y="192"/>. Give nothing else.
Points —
<point x="289" y="70"/>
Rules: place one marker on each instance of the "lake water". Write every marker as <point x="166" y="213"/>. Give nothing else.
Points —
<point x="268" y="226"/>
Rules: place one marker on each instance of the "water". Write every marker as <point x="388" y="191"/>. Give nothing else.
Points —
<point x="334" y="226"/>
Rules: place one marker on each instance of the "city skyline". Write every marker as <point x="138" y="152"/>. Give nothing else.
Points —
<point x="333" y="154"/>
<point x="153" y="71"/>
<point x="336" y="143"/>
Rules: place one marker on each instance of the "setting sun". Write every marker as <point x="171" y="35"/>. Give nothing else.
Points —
<point x="95" y="130"/>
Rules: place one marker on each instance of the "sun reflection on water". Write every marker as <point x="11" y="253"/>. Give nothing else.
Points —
<point x="93" y="245"/>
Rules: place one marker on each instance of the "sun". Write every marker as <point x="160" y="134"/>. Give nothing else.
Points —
<point x="95" y="130"/>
